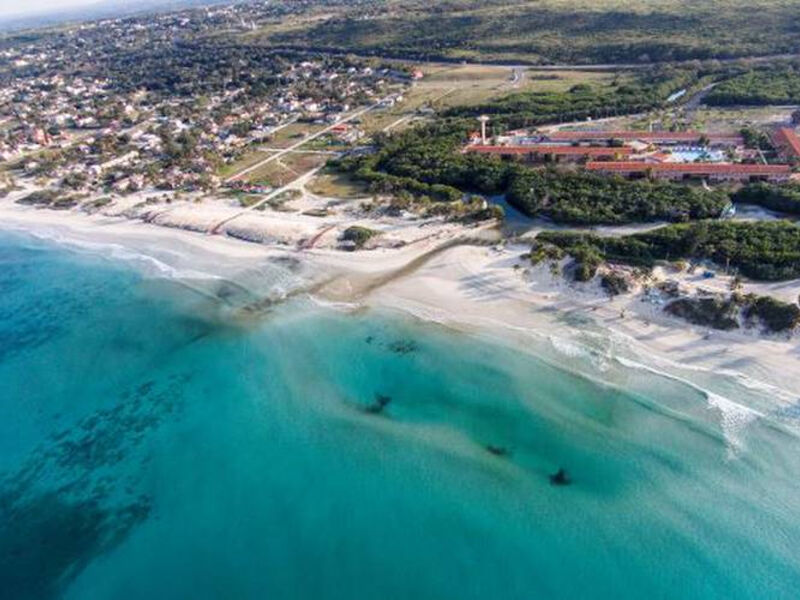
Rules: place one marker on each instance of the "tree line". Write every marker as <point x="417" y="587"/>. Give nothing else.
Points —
<point x="761" y="250"/>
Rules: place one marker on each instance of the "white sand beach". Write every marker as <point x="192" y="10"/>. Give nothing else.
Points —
<point x="486" y="288"/>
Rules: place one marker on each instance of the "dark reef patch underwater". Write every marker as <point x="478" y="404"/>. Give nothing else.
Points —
<point x="150" y="449"/>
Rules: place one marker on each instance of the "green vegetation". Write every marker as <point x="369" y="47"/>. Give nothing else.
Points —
<point x="756" y="139"/>
<point x="587" y="261"/>
<point x="425" y="162"/>
<point x="615" y="283"/>
<point x="780" y="198"/>
<point x="709" y="312"/>
<point x="49" y="199"/>
<point x="765" y="250"/>
<point x="542" y="252"/>
<point x="552" y="31"/>
<point x="646" y="91"/>
<point x="358" y="235"/>
<point x="727" y="313"/>
<point x="769" y="85"/>
<point x="774" y="315"/>
<point x="422" y="161"/>
<point x="586" y="198"/>
<point x="97" y="203"/>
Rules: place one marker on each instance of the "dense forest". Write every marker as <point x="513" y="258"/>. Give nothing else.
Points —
<point x="425" y="162"/>
<point x="645" y="91"/>
<point x="776" y="85"/>
<point x="762" y="250"/>
<point x="553" y="31"/>
<point x="587" y="199"/>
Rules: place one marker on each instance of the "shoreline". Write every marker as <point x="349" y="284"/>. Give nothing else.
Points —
<point x="469" y="288"/>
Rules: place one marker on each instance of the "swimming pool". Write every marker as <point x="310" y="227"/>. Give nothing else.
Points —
<point x="694" y="154"/>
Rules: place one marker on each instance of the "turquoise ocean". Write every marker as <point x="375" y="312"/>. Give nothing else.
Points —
<point x="156" y="444"/>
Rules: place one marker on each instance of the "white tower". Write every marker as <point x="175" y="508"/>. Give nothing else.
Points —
<point x="483" y="120"/>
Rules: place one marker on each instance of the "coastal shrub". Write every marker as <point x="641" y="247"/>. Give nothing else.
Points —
<point x="50" y="199"/>
<point x="615" y="283"/>
<point x="587" y="261"/>
<point x="39" y="198"/>
<point x="585" y="198"/>
<point x="99" y="202"/>
<point x="720" y="313"/>
<point x="358" y="235"/>
<point x="762" y="250"/>
<point x="64" y="202"/>
<point x="776" y="316"/>
<point x="708" y="312"/>
<point x="541" y="251"/>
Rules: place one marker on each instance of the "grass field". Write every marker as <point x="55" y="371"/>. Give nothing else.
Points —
<point x="249" y="159"/>
<point x="332" y="184"/>
<point x="286" y="169"/>
<point x="291" y="134"/>
<point x="446" y="86"/>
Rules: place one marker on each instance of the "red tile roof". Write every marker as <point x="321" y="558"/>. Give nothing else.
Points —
<point x="674" y="136"/>
<point x="787" y="142"/>
<point x="552" y="149"/>
<point x="690" y="168"/>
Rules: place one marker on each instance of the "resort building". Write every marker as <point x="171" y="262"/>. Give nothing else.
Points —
<point x="650" y="137"/>
<point x="711" y="171"/>
<point x="787" y="143"/>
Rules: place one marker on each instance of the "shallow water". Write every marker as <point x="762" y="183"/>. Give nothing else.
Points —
<point x="154" y="445"/>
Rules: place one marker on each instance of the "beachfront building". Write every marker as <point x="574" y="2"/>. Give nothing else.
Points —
<point x="661" y="138"/>
<point x="678" y="171"/>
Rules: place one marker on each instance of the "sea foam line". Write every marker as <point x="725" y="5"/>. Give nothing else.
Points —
<point x="734" y="417"/>
<point x="153" y="266"/>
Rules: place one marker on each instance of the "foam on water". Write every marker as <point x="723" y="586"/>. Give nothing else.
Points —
<point x="735" y="419"/>
<point x="149" y="451"/>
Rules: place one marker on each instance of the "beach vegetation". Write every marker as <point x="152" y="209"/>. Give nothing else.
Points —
<point x="49" y="198"/>
<point x="615" y="283"/>
<point x="358" y="235"/>
<point x="774" y="315"/>
<point x="542" y="251"/>
<point x="761" y="250"/>
<point x="718" y="313"/>
<point x="587" y="198"/>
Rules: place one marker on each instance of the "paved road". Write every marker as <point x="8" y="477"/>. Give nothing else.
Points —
<point x="268" y="149"/>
